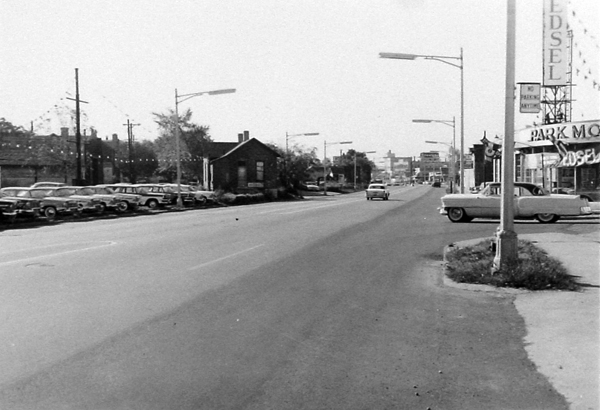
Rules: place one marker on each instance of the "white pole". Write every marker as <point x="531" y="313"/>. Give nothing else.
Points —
<point x="506" y="242"/>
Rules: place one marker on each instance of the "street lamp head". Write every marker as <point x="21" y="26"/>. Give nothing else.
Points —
<point x="432" y="142"/>
<point x="423" y="121"/>
<point x="345" y="142"/>
<point x="398" y="56"/>
<point x="225" y="91"/>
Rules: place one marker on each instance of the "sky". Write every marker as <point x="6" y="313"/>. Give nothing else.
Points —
<point x="298" y="66"/>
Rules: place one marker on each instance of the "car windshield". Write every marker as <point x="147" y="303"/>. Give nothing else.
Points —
<point x="40" y="193"/>
<point x="8" y="192"/>
<point x="85" y="191"/>
<point x="62" y="192"/>
<point x="376" y="187"/>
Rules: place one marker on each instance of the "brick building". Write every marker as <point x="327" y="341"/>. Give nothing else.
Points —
<point x="245" y="166"/>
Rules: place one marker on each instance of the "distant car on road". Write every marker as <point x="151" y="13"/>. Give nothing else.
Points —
<point x="378" y="191"/>
<point x="436" y="184"/>
<point x="530" y="201"/>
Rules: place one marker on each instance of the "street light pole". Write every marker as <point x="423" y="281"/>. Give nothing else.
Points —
<point x="506" y="237"/>
<point x="460" y="65"/>
<point x="179" y="99"/>
<point x="325" y="144"/>
<point x="452" y="157"/>
<point x="287" y="137"/>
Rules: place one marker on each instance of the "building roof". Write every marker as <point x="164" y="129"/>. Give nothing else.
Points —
<point x="236" y="146"/>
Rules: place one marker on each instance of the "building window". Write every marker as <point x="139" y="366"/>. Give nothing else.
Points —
<point x="260" y="171"/>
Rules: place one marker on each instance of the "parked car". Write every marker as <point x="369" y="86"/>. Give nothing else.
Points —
<point x="378" y="191"/>
<point x="8" y="210"/>
<point x="530" y="201"/>
<point x="592" y="195"/>
<point x="108" y="199"/>
<point x="26" y="206"/>
<point x="47" y="184"/>
<point x="150" y="195"/>
<point x="187" y="196"/>
<point x="131" y="200"/>
<point x="51" y="205"/>
<point x="86" y="203"/>
<point x="202" y="196"/>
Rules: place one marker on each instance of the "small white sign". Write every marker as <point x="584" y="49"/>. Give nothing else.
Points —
<point x="530" y="98"/>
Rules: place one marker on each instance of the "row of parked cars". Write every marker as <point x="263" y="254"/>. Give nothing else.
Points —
<point x="52" y="199"/>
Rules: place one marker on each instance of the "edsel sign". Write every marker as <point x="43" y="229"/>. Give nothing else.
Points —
<point x="565" y="137"/>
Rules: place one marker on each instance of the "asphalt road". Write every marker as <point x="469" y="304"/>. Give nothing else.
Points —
<point x="331" y="302"/>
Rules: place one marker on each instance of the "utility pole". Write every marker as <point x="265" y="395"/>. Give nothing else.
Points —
<point x="130" y="126"/>
<point x="78" y="125"/>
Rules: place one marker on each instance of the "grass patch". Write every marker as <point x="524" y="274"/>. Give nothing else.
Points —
<point x="534" y="269"/>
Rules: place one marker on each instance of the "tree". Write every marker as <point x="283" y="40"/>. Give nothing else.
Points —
<point x="364" y="166"/>
<point x="194" y="141"/>
<point x="145" y="162"/>
<point x="295" y="163"/>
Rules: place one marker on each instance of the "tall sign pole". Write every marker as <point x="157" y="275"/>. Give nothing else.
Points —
<point x="506" y="237"/>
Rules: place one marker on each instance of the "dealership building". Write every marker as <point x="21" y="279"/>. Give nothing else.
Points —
<point x="562" y="157"/>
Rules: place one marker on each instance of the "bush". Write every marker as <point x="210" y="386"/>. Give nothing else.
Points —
<point x="533" y="270"/>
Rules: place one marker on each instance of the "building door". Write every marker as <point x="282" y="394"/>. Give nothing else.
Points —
<point x="242" y="175"/>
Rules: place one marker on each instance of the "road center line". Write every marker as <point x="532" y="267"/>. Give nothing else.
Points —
<point x="51" y="255"/>
<point x="225" y="257"/>
<point x="319" y="207"/>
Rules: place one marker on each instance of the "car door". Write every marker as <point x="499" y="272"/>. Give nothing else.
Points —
<point x="488" y="202"/>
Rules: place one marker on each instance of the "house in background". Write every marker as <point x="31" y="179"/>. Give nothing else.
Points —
<point x="53" y="158"/>
<point x="242" y="167"/>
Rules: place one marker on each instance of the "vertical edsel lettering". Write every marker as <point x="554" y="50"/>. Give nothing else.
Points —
<point x="555" y="43"/>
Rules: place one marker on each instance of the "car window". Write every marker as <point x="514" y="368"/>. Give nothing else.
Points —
<point x="85" y="191"/>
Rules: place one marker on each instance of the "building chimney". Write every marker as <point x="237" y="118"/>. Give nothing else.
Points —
<point x="246" y="135"/>
<point x="240" y="138"/>
<point x="64" y="132"/>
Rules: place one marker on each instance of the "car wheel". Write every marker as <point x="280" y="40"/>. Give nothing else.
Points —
<point x="152" y="204"/>
<point x="102" y="208"/>
<point x="50" y="213"/>
<point x="122" y="207"/>
<point x="457" y="215"/>
<point x="547" y="218"/>
<point x="201" y="200"/>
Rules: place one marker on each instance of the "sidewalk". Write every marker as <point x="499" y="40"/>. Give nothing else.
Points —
<point x="563" y="328"/>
